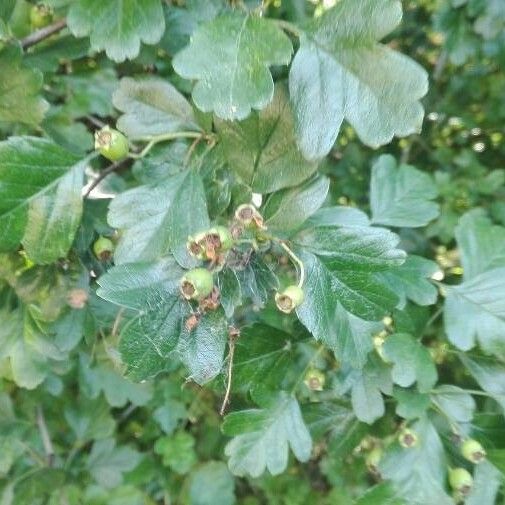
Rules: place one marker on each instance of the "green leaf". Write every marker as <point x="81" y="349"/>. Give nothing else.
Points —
<point x="20" y="101"/>
<point x="262" y="149"/>
<point x="157" y="333"/>
<point x="356" y="248"/>
<point x="497" y="458"/>
<point x="89" y="419"/>
<point x="411" y="404"/>
<point x="358" y="292"/>
<point x="187" y="215"/>
<point x="151" y="106"/>
<point x="338" y="216"/>
<point x="157" y="218"/>
<point x="117" y="389"/>
<point x="348" y="336"/>
<point x="475" y="310"/>
<point x="202" y="349"/>
<point x="177" y="451"/>
<point x="169" y="414"/>
<point x="262" y="436"/>
<point x="381" y="494"/>
<point x="263" y="355"/>
<point x="401" y="195"/>
<point x="229" y="58"/>
<point x="410" y="281"/>
<point x="489" y="374"/>
<point x="118" y="26"/>
<point x="40" y="197"/>
<point x="486" y="484"/>
<point x="340" y="71"/>
<point x="412" y="362"/>
<point x="454" y="402"/>
<point x="419" y="473"/>
<point x="286" y="210"/>
<point x="367" y="385"/>
<point x="480" y="244"/>
<point x="211" y="483"/>
<point x="107" y="463"/>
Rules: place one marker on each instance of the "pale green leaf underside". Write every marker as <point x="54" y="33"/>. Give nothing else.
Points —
<point x="475" y="310"/>
<point x="262" y="438"/>
<point x="151" y="107"/>
<point x="20" y="100"/>
<point x="229" y="58"/>
<point x="341" y="72"/>
<point x="401" y="195"/>
<point x="117" y="26"/>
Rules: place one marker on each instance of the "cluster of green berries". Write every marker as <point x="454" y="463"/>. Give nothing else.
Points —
<point x="211" y="244"/>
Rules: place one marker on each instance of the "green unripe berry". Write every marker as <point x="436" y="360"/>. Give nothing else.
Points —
<point x="40" y="15"/>
<point x="473" y="451"/>
<point x="112" y="144"/>
<point x="103" y="248"/>
<point x="314" y="379"/>
<point x="197" y="284"/>
<point x="373" y="458"/>
<point x="460" y="480"/>
<point x="289" y="299"/>
<point x="408" y="438"/>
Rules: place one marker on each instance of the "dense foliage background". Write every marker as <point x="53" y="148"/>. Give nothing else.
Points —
<point x="113" y="387"/>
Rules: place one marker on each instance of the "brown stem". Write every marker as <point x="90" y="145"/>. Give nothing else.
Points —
<point x="43" y="33"/>
<point x="103" y="174"/>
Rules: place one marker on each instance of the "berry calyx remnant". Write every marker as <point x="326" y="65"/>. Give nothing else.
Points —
<point x="473" y="451"/>
<point x="289" y="299"/>
<point x="408" y="438"/>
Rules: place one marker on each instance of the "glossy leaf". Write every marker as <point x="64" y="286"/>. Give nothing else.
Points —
<point x="401" y="195"/>
<point x="40" y="194"/>
<point x="286" y="210"/>
<point x="155" y="218"/>
<point x="229" y="57"/>
<point x="117" y="26"/>
<point x="340" y="71"/>
<point x="262" y="149"/>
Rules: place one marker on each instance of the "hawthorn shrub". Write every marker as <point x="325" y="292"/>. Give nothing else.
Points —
<point x="239" y="263"/>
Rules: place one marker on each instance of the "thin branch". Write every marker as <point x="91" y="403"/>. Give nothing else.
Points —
<point x="44" y="434"/>
<point x="103" y="174"/>
<point x="42" y="34"/>
<point x="233" y="335"/>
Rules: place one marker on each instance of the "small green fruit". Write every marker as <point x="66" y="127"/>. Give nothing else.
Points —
<point x="112" y="144"/>
<point x="460" y="480"/>
<point x="408" y="438"/>
<point x="40" y="15"/>
<point x="103" y="248"/>
<point x="197" y="284"/>
<point x="314" y="380"/>
<point x="289" y="299"/>
<point x="373" y="458"/>
<point x="473" y="451"/>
